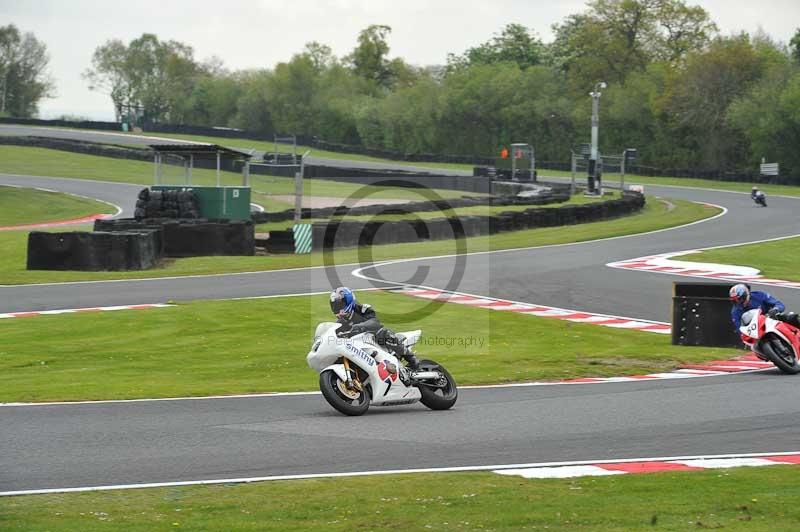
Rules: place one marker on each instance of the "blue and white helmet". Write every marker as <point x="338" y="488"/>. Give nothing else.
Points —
<point x="343" y="302"/>
<point x="740" y="294"/>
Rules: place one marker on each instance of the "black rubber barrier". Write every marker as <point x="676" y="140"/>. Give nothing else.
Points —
<point x="350" y="233"/>
<point x="181" y="204"/>
<point x="192" y="238"/>
<point x="701" y="315"/>
<point x="96" y="251"/>
<point x="545" y="198"/>
<point x="77" y="146"/>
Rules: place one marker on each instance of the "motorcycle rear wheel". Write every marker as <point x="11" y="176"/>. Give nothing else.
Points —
<point x="332" y="387"/>
<point x="782" y="355"/>
<point x="438" y="398"/>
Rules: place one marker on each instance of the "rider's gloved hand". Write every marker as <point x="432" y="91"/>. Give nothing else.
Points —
<point x="356" y="329"/>
<point x="774" y="313"/>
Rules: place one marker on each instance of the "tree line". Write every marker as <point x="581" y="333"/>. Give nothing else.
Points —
<point x="679" y="91"/>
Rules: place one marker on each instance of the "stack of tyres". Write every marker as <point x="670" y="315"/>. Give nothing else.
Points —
<point x="549" y="218"/>
<point x="167" y="204"/>
<point x="280" y="242"/>
<point x="518" y="220"/>
<point x="568" y="215"/>
<point x="403" y="231"/>
<point x="323" y="235"/>
<point x="582" y="213"/>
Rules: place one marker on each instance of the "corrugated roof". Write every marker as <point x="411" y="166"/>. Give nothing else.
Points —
<point x="201" y="151"/>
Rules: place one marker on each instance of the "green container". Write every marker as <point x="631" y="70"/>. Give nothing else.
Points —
<point x="232" y="203"/>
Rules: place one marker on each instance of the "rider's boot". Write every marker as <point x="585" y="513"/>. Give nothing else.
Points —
<point x="412" y="362"/>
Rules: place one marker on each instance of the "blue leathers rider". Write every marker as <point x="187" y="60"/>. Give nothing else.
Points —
<point x="744" y="299"/>
<point x="358" y="318"/>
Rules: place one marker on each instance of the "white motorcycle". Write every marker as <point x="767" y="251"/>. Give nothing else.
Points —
<point x="356" y="372"/>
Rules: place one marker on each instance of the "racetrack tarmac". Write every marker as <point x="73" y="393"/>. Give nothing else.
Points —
<point x="63" y="446"/>
<point x="122" y="443"/>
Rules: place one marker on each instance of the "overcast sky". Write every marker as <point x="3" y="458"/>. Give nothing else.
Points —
<point x="261" y="33"/>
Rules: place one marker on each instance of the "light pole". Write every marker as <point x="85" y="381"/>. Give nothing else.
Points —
<point x="593" y="157"/>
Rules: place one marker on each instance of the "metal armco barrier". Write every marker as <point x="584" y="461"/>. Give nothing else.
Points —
<point x="701" y="315"/>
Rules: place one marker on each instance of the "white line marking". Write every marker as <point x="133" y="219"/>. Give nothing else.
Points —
<point x="499" y="467"/>
<point x="677" y="374"/>
<point x="560" y="472"/>
<point x="720" y="463"/>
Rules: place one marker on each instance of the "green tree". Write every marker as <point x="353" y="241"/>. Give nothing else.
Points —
<point x="152" y="77"/>
<point x="292" y="88"/>
<point x="699" y="98"/>
<point x="336" y="101"/>
<point x="768" y="116"/>
<point x="253" y="105"/>
<point x="110" y="74"/>
<point x="369" y="58"/>
<point x="472" y="118"/>
<point x="514" y="44"/>
<point x="794" y="46"/>
<point x="617" y="37"/>
<point x="24" y="80"/>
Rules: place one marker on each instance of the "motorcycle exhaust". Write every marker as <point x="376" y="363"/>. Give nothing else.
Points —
<point x="425" y="375"/>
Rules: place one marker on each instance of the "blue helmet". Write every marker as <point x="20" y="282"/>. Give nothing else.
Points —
<point x="343" y="301"/>
<point x="740" y="294"/>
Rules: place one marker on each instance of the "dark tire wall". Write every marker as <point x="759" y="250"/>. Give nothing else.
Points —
<point x="336" y="234"/>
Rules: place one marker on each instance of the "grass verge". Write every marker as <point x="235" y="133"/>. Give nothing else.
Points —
<point x="56" y="163"/>
<point x="746" y="498"/>
<point x="654" y="216"/>
<point x="229" y="347"/>
<point x="776" y="260"/>
<point x="20" y="206"/>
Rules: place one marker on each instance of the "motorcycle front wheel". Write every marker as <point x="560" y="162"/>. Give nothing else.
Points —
<point x="782" y="355"/>
<point x="441" y="397"/>
<point x="335" y="391"/>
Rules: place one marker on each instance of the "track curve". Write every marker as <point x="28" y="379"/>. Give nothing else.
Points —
<point x="111" y="443"/>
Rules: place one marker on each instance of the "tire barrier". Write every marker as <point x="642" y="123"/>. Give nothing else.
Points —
<point x="701" y="315"/>
<point x="113" y="151"/>
<point x="545" y="198"/>
<point x="77" y="146"/>
<point x="167" y="204"/>
<point x="192" y="238"/>
<point x="351" y="233"/>
<point x="96" y="251"/>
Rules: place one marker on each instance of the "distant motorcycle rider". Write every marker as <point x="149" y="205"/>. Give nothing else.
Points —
<point x="758" y="196"/>
<point x="744" y="299"/>
<point x="358" y="318"/>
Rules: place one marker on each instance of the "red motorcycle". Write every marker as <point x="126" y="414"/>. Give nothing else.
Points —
<point x="772" y="340"/>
